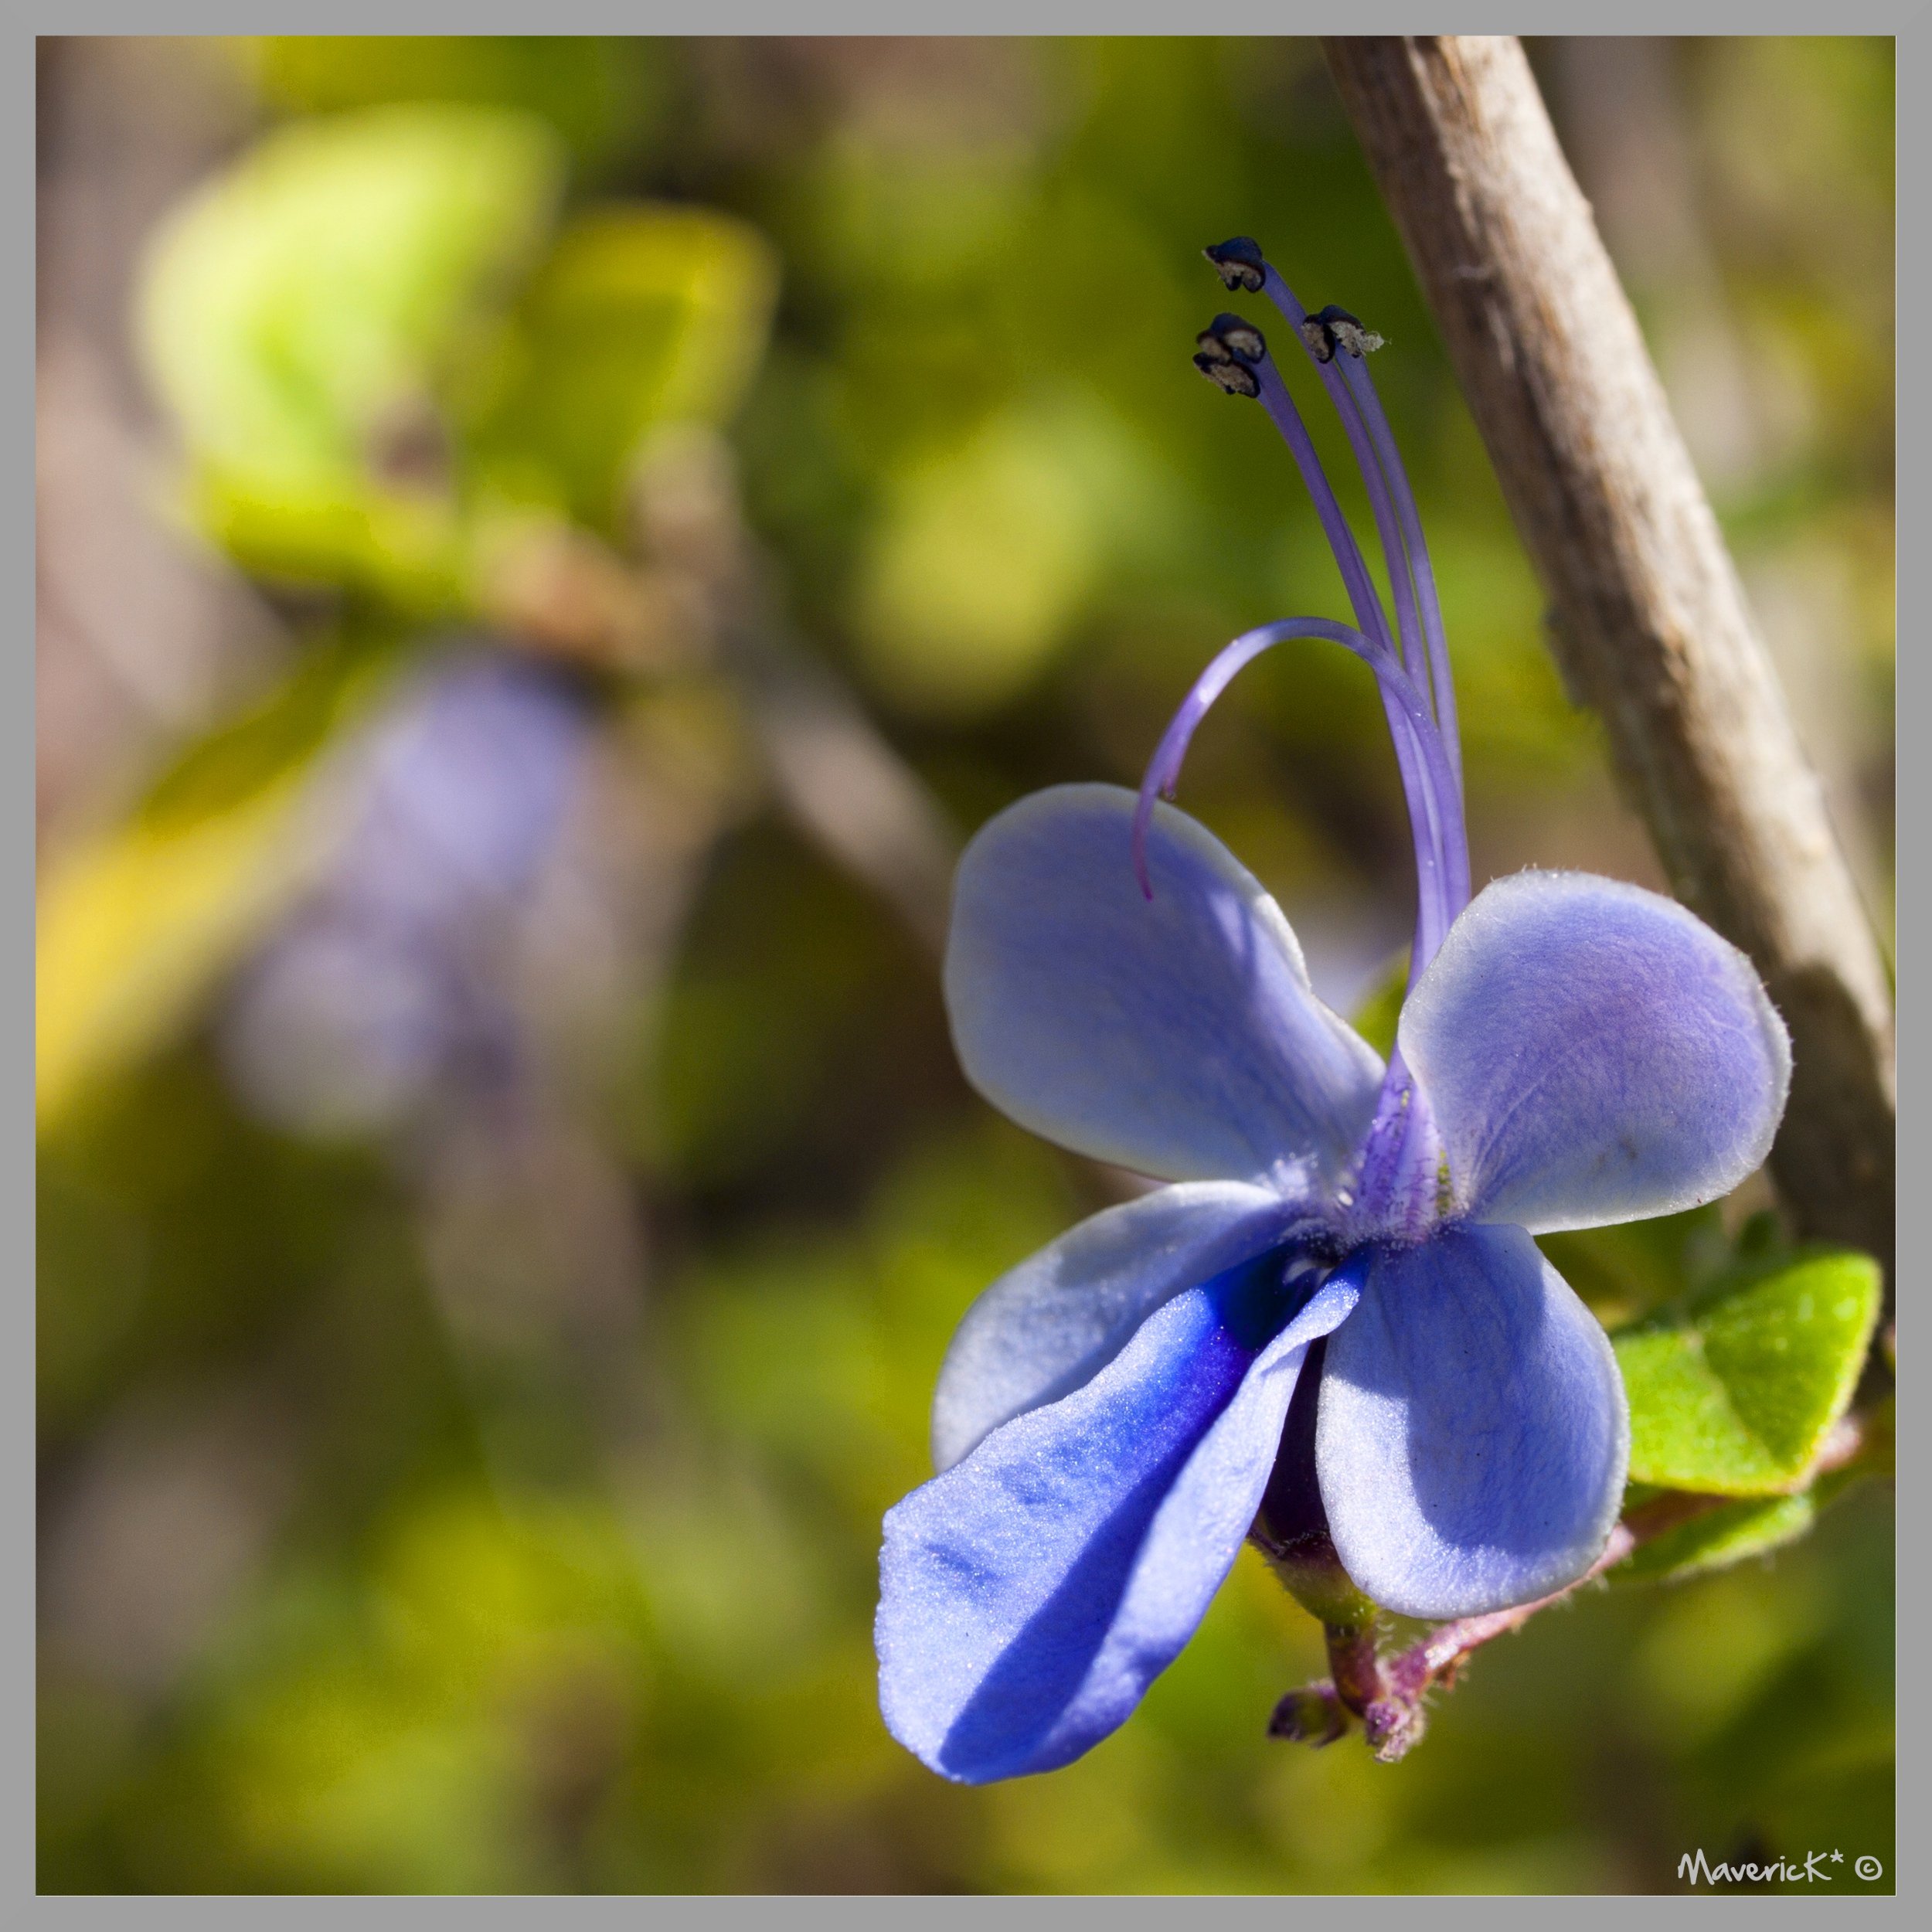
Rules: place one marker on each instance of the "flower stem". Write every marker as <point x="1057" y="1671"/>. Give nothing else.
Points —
<point x="1388" y="1694"/>
<point x="1354" y="1666"/>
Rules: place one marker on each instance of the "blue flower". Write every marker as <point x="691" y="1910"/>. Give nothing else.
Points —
<point x="389" y="987"/>
<point x="1110" y="1419"/>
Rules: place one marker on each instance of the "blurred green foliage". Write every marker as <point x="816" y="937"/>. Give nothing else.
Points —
<point x="297" y="313"/>
<point x="598" y="95"/>
<point x="636" y="316"/>
<point x="537" y="1613"/>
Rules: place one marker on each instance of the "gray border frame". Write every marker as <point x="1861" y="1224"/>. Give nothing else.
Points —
<point x="1906" y="21"/>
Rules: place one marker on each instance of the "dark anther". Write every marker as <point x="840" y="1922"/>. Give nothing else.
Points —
<point x="1230" y="335"/>
<point x="1335" y="328"/>
<point x="1228" y="348"/>
<point x="1236" y="378"/>
<point x="1239" y="264"/>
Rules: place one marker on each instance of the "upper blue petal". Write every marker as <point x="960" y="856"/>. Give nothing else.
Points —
<point x="1178" y="1037"/>
<point x="1593" y="1052"/>
<point x="1029" y="1596"/>
<point x="1053" y="1322"/>
<point x="1472" y="1434"/>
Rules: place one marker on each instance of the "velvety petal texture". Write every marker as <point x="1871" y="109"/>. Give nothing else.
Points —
<point x="1473" y="1434"/>
<point x="1029" y="1595"/>
<point x="1053" y="1322"/>
<point x="1178" y="1037"/>
<point x="1592" y="1053"/>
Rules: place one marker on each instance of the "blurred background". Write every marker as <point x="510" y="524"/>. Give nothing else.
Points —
<point x="545" y="549"/>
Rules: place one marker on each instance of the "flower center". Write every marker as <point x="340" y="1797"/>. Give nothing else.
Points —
<point x="1402" y="1191"/>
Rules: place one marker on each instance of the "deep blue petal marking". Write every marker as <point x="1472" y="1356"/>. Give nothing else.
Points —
<point x="1052" y="1324"/>
<point x="1029" y="1595"/>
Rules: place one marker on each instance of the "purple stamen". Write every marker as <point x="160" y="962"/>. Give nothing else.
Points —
<point x="1356" y="372"/>
<point x="1344" y="373"/>
<point x="1336" y="344"/>
<point x="1280" y="406"/>
<point x="1442" y="863"/>
<point x="1400" y="1159"/>
<point x="1410" y="662"/>
<point x="1381" y="504"/>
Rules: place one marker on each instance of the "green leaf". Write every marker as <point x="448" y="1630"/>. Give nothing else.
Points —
<point x="299" y="314"/>
<point x="641" y="315"/>
<point x="1752" y="1526"/>
<point x="1732" y="1392"/>
<point x="134" y="926"/>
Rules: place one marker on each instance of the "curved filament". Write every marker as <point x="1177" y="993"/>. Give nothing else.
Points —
<point x="1428" y="782"/>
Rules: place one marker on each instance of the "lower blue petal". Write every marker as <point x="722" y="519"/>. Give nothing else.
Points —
<point x="1030" y="1594"/>
<point x="1472" y="1435"/>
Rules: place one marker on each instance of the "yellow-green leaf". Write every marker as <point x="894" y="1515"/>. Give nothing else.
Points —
<point x="596" y="90"/>
<point x="299" y="314"/>
<point x="134" y="926"/>
<point x="986" y="555"/>
<point x="1733" y="1392"/>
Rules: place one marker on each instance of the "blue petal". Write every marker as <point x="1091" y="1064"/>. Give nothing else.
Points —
<point x="1029" y="1595"/>
<point x="1053" y="1322"/>
<point x="1179" y="1036"/>
<point x="1592" y="1053"/>
<point x="1472" y="1434"/>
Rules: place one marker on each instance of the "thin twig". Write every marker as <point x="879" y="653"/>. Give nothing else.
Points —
<point x="1649" y="621"/>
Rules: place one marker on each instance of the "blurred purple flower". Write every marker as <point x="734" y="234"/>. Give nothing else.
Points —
<point x="389" y="982"/>
<point x="1109" y="1420"/>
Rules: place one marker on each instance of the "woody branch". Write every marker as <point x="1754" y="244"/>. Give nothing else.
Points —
<point x="1648" y="620"/>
